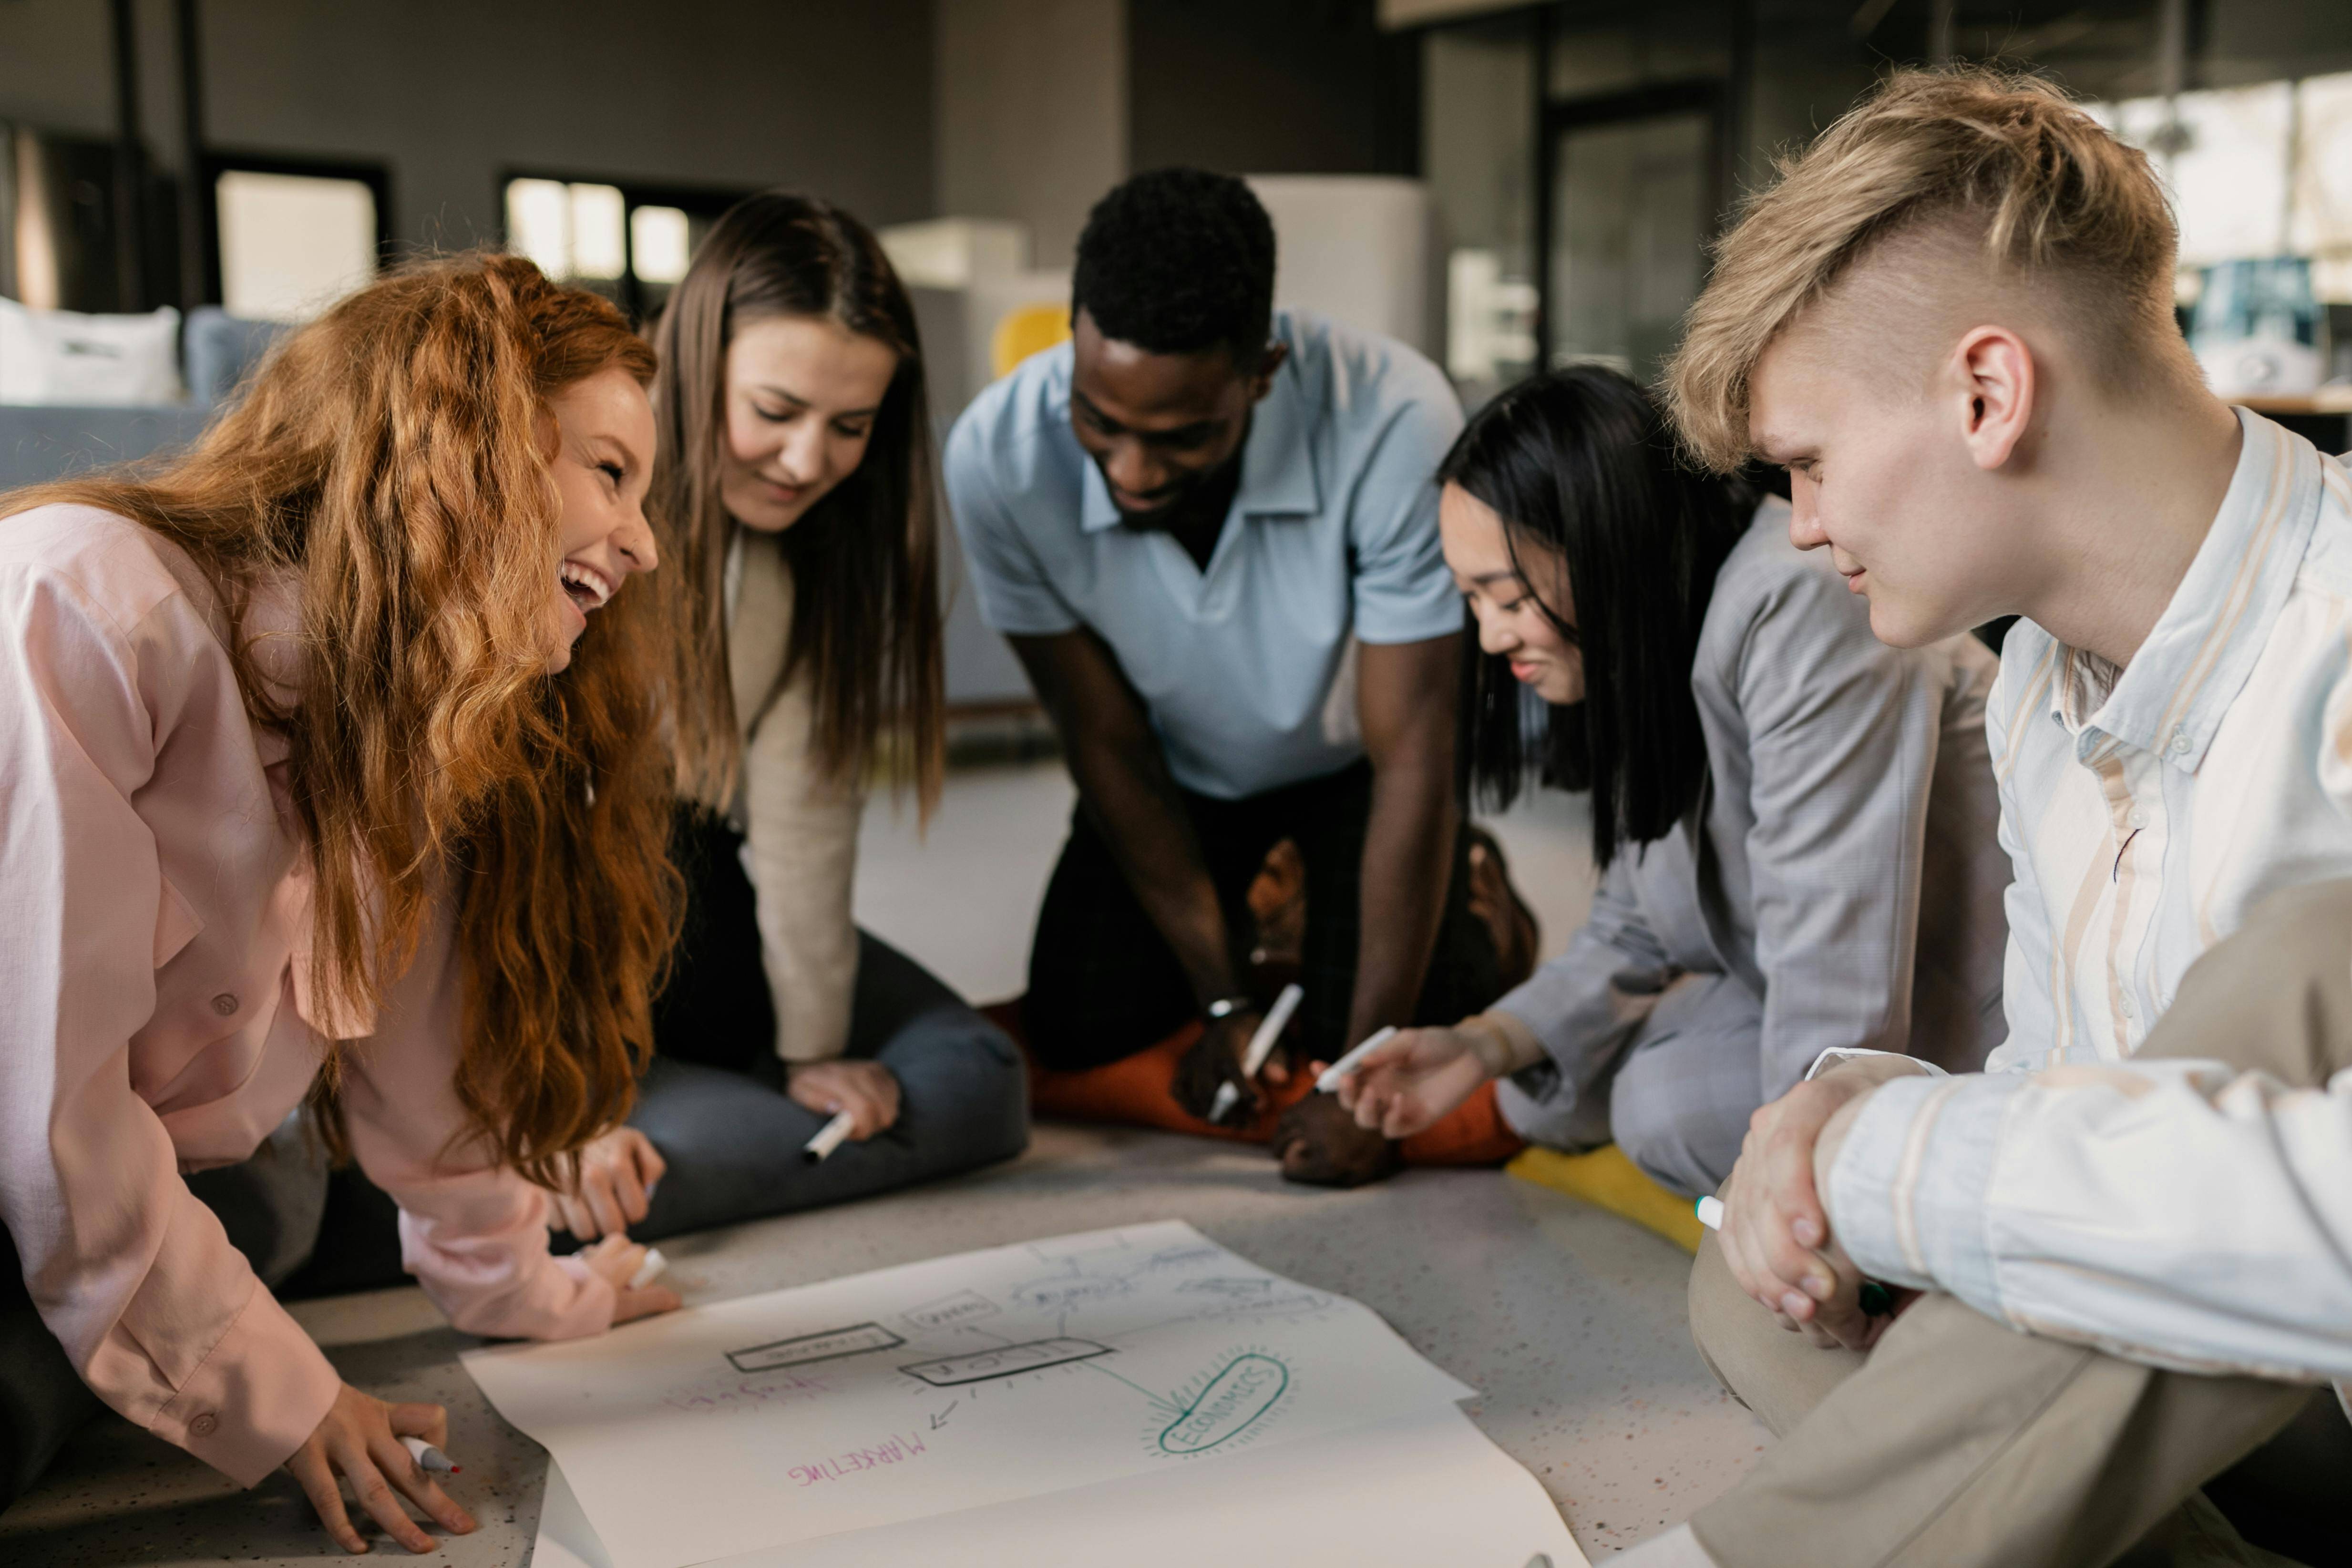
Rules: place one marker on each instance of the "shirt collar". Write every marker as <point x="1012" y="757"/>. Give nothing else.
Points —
<point x="1279" y="477"/>
<point x="2171" y="699"/>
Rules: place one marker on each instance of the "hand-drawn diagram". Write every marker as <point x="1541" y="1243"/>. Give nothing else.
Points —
<point x="954" y="1371"/>
<point x="802" y="1349"/>
<point x="963" y="1307"/>
<point x="1001" y="1373"/>
<point x="1229" y="1406"/>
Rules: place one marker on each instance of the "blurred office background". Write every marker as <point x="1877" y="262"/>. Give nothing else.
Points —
<point x="1503" y="185"/>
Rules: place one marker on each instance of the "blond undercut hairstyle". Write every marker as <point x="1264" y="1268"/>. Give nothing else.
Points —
<point x="2050" y="197"/>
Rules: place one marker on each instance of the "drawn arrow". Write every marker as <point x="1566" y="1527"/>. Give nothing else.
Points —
<point x="940" y="1419"/>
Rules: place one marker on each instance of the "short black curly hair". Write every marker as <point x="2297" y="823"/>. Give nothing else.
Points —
<point x="1176" y="261"/>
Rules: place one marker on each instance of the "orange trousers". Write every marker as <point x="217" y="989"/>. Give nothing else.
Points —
<point x="1138" y="1091"/>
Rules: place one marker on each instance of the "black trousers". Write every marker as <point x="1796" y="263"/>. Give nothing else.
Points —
<point x="1104" y="984"/>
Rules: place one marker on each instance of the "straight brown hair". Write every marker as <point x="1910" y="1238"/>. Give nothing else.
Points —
<point x="864" y="559"/>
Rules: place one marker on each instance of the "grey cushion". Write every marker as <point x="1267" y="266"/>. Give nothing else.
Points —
<point x="219" y="348"/>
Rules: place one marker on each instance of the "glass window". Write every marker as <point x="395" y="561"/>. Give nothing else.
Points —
<point x="1631" y="212"/>
<point x="291" y="244"/>
<point x="1478" y="158"/>
<point x="539" y="223"/>
<point x="571" y="230"/>
<point x="2322" y="184"/>
<point x="2225" y="161"/>
<point x="599" y="248"/>
<point x="661" y="243"/>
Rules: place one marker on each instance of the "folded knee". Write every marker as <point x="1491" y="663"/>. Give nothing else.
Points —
<point x="1680" y="1146"/>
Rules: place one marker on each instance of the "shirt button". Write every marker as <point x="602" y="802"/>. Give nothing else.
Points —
<point x="2138" y="818"/>
<point x="2179" y="740"/>
<point x="2129" y="1011"/>
<point x="224" y="1004"/>
<point x="204" y="1425"/>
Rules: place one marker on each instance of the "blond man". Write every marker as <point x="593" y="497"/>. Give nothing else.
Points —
<point x="1951" y="322"/>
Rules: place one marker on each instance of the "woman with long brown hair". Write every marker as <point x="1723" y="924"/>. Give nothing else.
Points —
<point x="796" y="469"/>
<point x="331" y="767"/>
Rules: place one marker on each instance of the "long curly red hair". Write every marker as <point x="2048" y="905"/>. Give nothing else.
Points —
<point x="387" y="458"/>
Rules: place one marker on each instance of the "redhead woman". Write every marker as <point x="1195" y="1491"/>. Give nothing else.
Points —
<point x="329" y="770"/>
<point x="796" y="468"/>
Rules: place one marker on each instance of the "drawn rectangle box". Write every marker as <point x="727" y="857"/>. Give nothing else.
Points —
<point x="964" y="1306"/>
<point x="798" y="1351"/>
<point x="1012" y="1361"/>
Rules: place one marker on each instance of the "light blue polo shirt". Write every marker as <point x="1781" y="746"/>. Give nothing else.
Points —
<point x="1248" y="668"/>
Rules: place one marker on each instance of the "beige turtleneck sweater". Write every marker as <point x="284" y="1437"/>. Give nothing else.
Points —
<point x="803" y="828"/>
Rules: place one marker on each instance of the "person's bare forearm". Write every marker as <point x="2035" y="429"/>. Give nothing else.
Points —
<point x="1408" y="852"/>
<point x="1126" y="790"/>
<point x="1405" y="695"/>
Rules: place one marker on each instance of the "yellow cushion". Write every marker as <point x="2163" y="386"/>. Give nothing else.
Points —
<point x="1607" y="1179"/>
<point x="1027" y="329"/>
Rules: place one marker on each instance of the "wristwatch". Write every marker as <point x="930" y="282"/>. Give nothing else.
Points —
<point x="1226" y="1007"/>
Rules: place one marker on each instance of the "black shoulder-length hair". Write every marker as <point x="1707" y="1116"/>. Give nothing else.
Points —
<point x="865" y="561"/>
<point x="1579" y="463"/>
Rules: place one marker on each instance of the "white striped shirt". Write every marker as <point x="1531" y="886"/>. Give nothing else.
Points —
<point x="2176" y="1212"/>
<point x="2145" y="813"/>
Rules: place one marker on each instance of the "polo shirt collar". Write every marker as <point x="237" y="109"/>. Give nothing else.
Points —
<point x="2172" y="696"/>
<point x="1278" y="477"/>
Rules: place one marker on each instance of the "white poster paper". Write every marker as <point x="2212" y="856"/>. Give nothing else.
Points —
<point x="1406" y="1494"/>
<point x="948" y="1385"/>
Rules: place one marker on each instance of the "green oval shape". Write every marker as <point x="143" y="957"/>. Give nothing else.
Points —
<point x="1236" y="1397"/>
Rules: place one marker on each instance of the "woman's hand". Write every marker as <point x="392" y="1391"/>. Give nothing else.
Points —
<point x="615" y="1260"/>
<point x="617" y="1173"/>
<point x="360" y="1442"/>
<point x="1414" y="1080"/>
<point x="864" y="1088"/>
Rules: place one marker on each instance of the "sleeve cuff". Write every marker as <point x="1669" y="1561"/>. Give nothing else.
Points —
<point x="1837" y="1053"/>
<point x="256" y="1398"/>
<point x="1514" y="1043"/>
<point x="1908" y="1194"/>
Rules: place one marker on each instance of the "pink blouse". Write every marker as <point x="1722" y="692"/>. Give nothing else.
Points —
<point x="153" y="998"/>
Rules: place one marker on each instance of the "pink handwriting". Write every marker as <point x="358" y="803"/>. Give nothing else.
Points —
<point x="891" y="1451"/>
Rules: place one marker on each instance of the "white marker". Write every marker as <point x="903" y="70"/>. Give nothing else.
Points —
<point x="1261" y="1046"/>
<point x="828" y="1139"/>
<point x="649" y="1269"/>
<point x="427" y="1456"/>
<point x="1346" y="1064"/>
<point x="1710" y="1212"/>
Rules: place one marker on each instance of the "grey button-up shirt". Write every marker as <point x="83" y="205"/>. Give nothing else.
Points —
<point x="1843" y="868"/>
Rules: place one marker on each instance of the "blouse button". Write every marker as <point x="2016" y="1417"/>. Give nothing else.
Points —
<point x="224" y="1004"/>
<point x="2138" y="817"/>
<point x="204" y="1425"/>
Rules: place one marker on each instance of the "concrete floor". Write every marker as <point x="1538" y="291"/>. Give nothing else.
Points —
<point x="1570" y="1322"/>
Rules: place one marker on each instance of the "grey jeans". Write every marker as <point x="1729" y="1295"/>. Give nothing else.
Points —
<point x="734" y="1140"/>
<point x="1672" y="1085"/>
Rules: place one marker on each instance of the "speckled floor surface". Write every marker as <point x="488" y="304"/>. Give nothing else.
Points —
<point x="1570" y="1321"/>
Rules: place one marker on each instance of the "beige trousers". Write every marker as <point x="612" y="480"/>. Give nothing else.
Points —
<point x="1957" y="1441"/>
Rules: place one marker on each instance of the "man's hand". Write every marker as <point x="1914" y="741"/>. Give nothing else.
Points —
<point x="617" y="1173"/>
<point x="358" y="1441"/>
<point x="1319" y="1143"/>
<point x="1414" y="1080"/>
<point x="1776" y="1233"/>
<point x="1215" y="1060"/>
<point x="615" y="1260"/>
<point x="865" y="1089"/>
